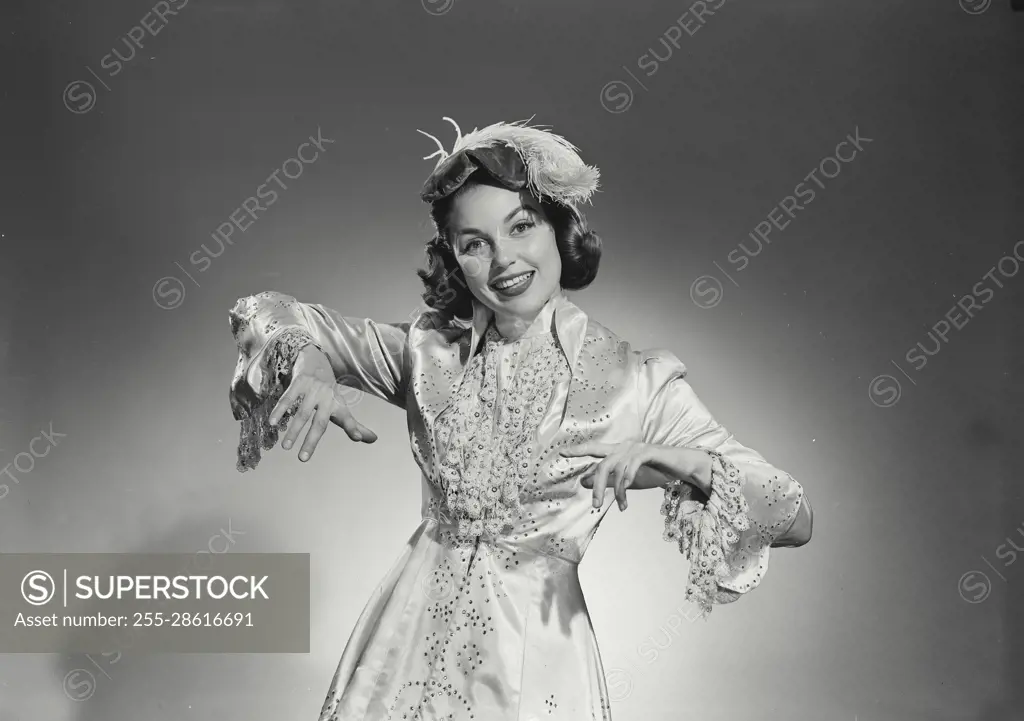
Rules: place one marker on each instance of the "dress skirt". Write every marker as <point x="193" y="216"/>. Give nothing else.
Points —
<point x="479" y="630"/>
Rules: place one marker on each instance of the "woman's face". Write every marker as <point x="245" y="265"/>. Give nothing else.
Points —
<point x="506" y="248"/>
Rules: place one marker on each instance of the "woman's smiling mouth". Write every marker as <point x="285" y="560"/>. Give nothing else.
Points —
<point x="512" y="281"/>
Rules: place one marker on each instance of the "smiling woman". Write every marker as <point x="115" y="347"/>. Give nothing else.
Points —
<point x="498" y="243"/>
<point x="526" y="418"/>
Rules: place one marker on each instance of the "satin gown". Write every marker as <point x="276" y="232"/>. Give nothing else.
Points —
<point x="482" y="616"/>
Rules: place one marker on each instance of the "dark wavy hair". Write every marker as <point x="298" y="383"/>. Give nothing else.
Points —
<point x="445" y="287"/>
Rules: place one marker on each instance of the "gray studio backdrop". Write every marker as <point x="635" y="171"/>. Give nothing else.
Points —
<point x="815" y="205"/>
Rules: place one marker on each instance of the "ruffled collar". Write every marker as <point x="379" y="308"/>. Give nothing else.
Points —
<point x="559" y="316"/>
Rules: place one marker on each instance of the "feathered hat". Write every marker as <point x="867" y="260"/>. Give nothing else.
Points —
<point x="517" y="156"/>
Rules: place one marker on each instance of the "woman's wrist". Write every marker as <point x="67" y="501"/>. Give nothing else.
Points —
<point x="313" y="358"/>
<point x="689" y="465"/>
<point x="701" y="473"/>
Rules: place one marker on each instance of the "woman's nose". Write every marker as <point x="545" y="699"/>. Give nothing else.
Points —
<point x="502" y="253"/>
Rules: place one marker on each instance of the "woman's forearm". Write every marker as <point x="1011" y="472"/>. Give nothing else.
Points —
<point x="684" y="464"/>
<point x="363" y="353"/>
<point x="693" y="466"/>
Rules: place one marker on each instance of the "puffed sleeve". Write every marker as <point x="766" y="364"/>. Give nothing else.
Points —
<point x="271" y="328"/>
<point x="726" y="537"/>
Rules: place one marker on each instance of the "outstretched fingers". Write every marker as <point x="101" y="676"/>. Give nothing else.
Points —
<point x="592" y="448"/>
<point x="626" y="471"/>
<point x="343" y="418"/>
<point x="307" y="404"/>
<point x="600" y="480"/>
<point x="617" y="471"/>
<point x="321" y="419"/>
<point x="286" y="403"/>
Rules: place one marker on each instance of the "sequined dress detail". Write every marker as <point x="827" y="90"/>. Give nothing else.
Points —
<point x="481" y="617"/>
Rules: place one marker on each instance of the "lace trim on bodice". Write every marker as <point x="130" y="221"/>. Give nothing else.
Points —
<point x="487" y="442"/>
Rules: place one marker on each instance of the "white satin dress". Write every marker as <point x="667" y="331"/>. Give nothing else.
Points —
<point x="482" y="616"/>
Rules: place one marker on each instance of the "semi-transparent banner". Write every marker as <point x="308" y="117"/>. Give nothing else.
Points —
<point x="161" y="603"/>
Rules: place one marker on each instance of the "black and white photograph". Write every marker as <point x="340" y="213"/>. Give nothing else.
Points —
<point x="508" y="360"/>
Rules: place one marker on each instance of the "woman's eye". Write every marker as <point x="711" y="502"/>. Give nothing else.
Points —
<point x="474" y="246"/>
<point x="525" y="225"/>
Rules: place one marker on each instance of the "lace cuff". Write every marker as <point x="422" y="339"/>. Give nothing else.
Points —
<point x="276" y="363"/>
<point x="709" y="532"/>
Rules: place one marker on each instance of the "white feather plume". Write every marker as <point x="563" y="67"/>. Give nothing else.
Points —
<point x="554" y="167"/>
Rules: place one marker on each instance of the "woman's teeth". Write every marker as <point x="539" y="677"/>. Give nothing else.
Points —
<point x="514" y="281"/>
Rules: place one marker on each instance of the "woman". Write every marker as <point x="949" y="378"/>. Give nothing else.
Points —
<point x="526" y="417"/>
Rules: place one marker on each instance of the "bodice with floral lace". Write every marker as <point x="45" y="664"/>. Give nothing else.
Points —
<point x="487" y="437"/>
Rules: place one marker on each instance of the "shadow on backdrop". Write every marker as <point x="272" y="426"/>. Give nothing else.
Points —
<point x="122" y="684"/>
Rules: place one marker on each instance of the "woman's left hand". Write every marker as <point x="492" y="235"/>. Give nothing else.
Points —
<point x="631" y="464"/>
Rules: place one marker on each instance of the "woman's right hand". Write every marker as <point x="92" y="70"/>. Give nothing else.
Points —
<point x="319" y="399"/>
